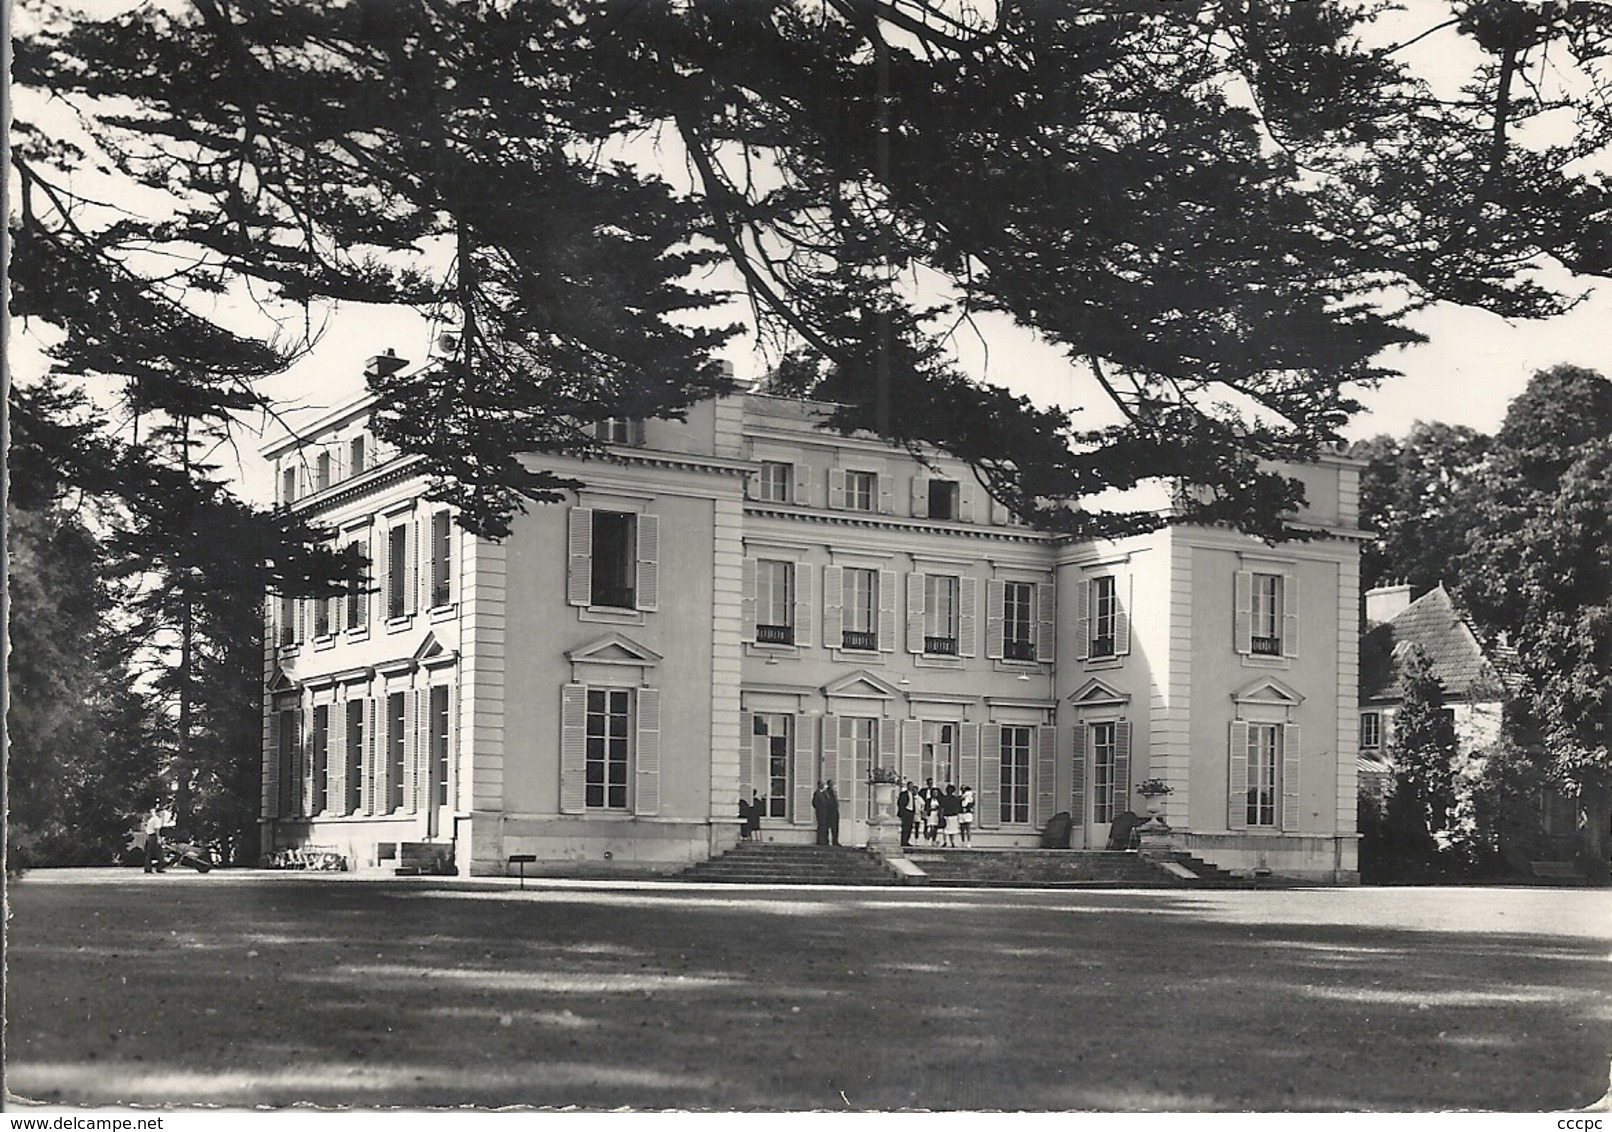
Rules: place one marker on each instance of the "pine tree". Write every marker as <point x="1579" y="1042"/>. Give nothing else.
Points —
<point x="1422" y="752"/>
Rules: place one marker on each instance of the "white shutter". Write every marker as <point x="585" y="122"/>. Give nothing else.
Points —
<point x="1046" y="774"/>
<point x="272" y="768"/>
<point x="887" y="611"/>
<point x="747" y="600"/>
<point x="803" y="604"/>
<point x="836" y="489"/>
<point x="852" y="770"/>
<point x="411" y="751"/>
<point x="647" y="590"/>
<point x="747" y="743"/>
<point x="965" y="502"/>
<point x="1242" y="623"/>
<point x="1237" y="788"/>
<point x="989" y="744"/>
<point x="1045" y="611"/>
<point x="833" y="606"/>
<point x="831" y="750"/>
<point x="803" y="485"/>
<point x="805" y="769"/>
<point x="889" y="749"/>
<point x="1077" y="763"/>
<point x="1083" y="590"/>
<point x="1290" y="615"/>
<point x="915" y="613"/>
<point x="579" y="557"/>
<point x="968" y="758"/>
<point x="1123" y="589"/>
<point x="886" y="496"/>
<point x="411" y="566"/>
<point x="374" y="781"/>
<point x="995" y="595"/>
<point x="1122" y="763"/>
<point x="912" y="736"/>
<point x="573" y="748"/>
<point x="1290" y="776"/>
<point x="920" y="497"/>
<point x="646" y="759"/>
<point x="968" y="616"/>
<point x="336" y="759"/>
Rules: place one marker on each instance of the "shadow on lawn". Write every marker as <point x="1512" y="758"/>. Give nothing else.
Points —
<point x="373" y="994"/>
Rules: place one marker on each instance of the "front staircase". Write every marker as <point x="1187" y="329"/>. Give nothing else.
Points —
<point x="1042" y="868"/>
<point x="767" y="862"/>
<point x="770" y="862"/>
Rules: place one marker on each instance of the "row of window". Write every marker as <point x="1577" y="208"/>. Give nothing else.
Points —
<point x="404" y="585"/>
<point x="869" y="491"/>
<point x="859" y="611"/>
<point x="371" y="756"/>
<point x="330" y="464"/>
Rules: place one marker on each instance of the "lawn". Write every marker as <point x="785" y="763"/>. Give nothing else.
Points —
<point x="263" y="989"/>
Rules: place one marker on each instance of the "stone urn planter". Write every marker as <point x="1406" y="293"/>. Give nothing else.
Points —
<point x="883" y="824"/>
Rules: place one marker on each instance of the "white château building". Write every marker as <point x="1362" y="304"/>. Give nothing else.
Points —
<point x="743" y="601"/>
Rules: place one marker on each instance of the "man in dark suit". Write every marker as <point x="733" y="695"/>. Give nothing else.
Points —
<point x="820" y="812"/>
<point x="906" y="811"/>
<point x="831" y="808"/>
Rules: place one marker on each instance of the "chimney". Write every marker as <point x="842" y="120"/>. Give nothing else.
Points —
<point x="1385" y="603"/>
<point x="384" y="365"/>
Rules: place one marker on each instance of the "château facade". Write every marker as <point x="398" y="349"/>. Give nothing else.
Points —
<point x="742" y="601"/>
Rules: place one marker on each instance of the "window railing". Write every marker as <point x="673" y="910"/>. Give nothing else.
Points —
<point x="775" y="634"/>
<point x="1267" y="646"/>
<point x="613" y="597"/>
<point x="1018" y="650"/>
<point x="439" y="594"/>
<point x="859" y="639"/>
<point x="1102" y="646"/>
<point x="940" y="646"/>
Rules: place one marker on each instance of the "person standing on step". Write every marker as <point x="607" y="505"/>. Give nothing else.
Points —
<point x="951" y="808"/>
<point x="831" y="806"/>
<point x="752" y="821"/>
<point x="820" y="812"/>
<point x="905" y="809"/>
<point x="965" y="820"/>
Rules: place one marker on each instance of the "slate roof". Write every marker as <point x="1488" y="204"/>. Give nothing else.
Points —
<point x="1433" y="622"/>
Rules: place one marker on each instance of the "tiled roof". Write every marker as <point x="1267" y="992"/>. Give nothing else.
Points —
<point x="1432" y="622"/>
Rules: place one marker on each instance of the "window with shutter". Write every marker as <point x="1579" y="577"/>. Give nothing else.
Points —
<point x="967" y="616"/>
<point x="355" y="757"/>
<point x="396" y="751"/>
<point x="441" y="558"/>
<point x="440" y="748"/>
<point x="1015" y="761"/>
<point x="397" y="571"/>
<point x="320" y="742"/>
<point x="613" y="559"/>
<point x="1290" y="776"/>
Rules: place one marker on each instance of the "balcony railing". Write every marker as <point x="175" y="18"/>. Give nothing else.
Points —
<point x="858" y="639"/>
<point x="1018" y="650"/>
<point x="940" y="646"/>
<point x="1267" y="646"/>
<point x="775" y="634"/>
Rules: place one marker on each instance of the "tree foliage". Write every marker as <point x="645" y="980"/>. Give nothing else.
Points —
<point x="1213" y="207"/>
<point x="1518" y="526"/>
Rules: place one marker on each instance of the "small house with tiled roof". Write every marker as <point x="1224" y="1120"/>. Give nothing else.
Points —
<point x="1472" y="679"/>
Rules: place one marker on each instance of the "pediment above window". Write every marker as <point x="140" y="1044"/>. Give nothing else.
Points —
<point x="863" y="684"/>
<point x="432" y="653"/>
<point x="1098" y="693"/>
<point x="280" y="682"/>
<point x="613" y="654"/>
<point x="1267" y="690"/>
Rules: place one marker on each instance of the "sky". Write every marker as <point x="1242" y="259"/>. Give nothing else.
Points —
<point x="1472" y="366"/>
